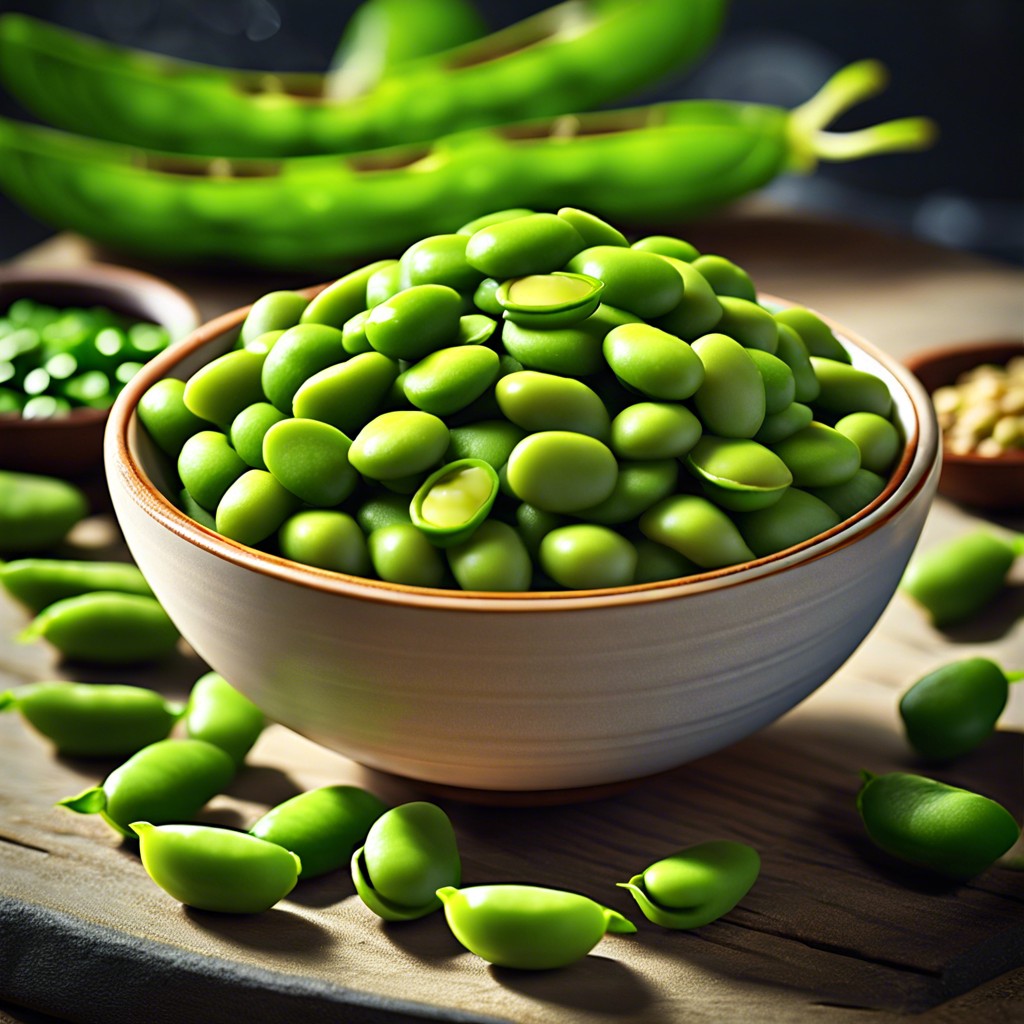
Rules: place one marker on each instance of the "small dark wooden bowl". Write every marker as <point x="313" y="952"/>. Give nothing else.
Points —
<point x="977" y="480"/>
<point x="72" y="445"/>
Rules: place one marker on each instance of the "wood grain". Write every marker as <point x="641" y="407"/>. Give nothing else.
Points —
<point x="833" y="929"/>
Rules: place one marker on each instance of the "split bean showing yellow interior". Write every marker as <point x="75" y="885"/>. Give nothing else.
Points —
<point x="325" y="539"/>
<point x="454" y="501"/>
<point x="546" y="301"/>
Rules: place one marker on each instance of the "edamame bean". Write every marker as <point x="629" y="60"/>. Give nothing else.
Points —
<point x="654" y="362"/>
<point x="310" y="459"/>
<point x="165" y="416"/>
<point x="877" y="439"/>
<point x="558" y="471"/>
<point x="499" y="216"/>
<point x="476" y="329"/>
<point x="638" y="486"/>
<point x="450" y="378"/>
<point x="953" y="581"/>
<point x="400" y="553"/>
<point x="543" y="401"/>
<point x="38" y="582"/>
<point x="698" y="311"/>
<point x="249" y="428"/>
<point x="697" y="885"/>
<point x="818" y="456"/>
<point x="591" y="229"/>
<point x="322" y="827"/>
<point x="489" y="440"/>
<point x="222" y="388"/>
<point x="639" y="282"/>
<point x="398" y="444"/>
<point x="953" y="709"/>
<point x="731" y="399"/>
<point x="779" y="384"/>
<point x="105" y="628"/>
<point x="584" y="556"/>
<point x="167" y="781"/>
<point x="725" y="277"/>
<point x="299" y="353"/>
<point x="348" y="394"/>
<point x="655" y="562"/>
<point x="208" y="466"/>
<point x="494" y="559"/>
<point x="325" y="539"/>
<point x="784" y="423"/>
<point x="746" y="322"/>
<point x="454" y="501"/>
<point x="275" y="311"/>
<point x="535" y="244"/>
<point x="546" y="301"/>
<point x="195" y="511"/>
<point x="848" y="498"/>
<point x="845" y="389"/>
<point x="439" y="259"/>
<point x="793" y="352"/>
<point x="93" y="719"/>
<point x="698" y="530"/>
<point x="36" y="512"/>
<point x="534" y="524"/>
<point x="415" y="322"/>
<point x="485" y="297"/>
<point x="216" y="868"/>
<point x="950" y="831"/>
<point x="816" y="335"/>
<point x="383" y="510"/>
<point x="254" y="507"/>
<point x="219" y="714"/>
<point x="353" y="335"/>
<point x="797" y="516"/>
<point x="384" y="282"/>
<point x="410" y="852"/>
<point x="654" y="430"/>
<point x="667" y="245"/>
<point x="526" y="926"/>
<point x="263" y="343"/>
<point x="737" y="473"/>
<point x="343" y="299"/>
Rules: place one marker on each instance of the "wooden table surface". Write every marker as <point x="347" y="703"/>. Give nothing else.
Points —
<point x="833" y="930"/>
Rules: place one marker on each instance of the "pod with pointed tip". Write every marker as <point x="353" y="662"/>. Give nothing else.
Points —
<point x="526" y="926"/>
<point x="216" y="868"/>
<point x="697" y="885"/>
<point x="410" y="852"/>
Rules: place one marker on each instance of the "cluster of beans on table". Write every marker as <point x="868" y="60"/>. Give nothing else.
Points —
<point x="55" y="360"/>
<point x="528" y="403"/>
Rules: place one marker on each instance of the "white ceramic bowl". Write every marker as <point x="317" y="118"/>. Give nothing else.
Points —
<point x="526" y="691"/>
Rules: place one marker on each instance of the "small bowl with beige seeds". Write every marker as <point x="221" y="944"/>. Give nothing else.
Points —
<point x="978" y="394"/>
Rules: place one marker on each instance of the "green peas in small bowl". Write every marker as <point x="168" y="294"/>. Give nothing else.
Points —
<point x="70" y="338"/>
<point x="506" y="688"/>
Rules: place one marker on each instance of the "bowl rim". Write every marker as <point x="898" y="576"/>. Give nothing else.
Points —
<point x="921" y="455"/>
<point x="104" y="277"/>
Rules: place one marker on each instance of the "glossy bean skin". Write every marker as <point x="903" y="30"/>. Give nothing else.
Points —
<point x="559" y="471"/>
<point x="656" y="562"/>
<point x="731" y="399"/>
<point x="954" y="580"/>
<point x="784" y="423"/>
<point x="657" y="364"/>
<point x="779" y="383"/>
<point x="254" y="507"/>
<point x="793" y="352"/>
<point x="415" y="322"/>
<point x="848" y="498"/>
<point x="397" y="444"/>
<point x="322" y="827"/>
<point x="725" y="277"/>
<point x="353" y="334"/>
<point x="696" y="529"/>
<point x="220" y="390"/>
<point x="638" y="486"/>
<point x="349" y="394"/>
<point x="699" y="310"/>
<point x="697" y="885"/>
<point x="493" y="559"/>
<point x="105" y="628"/>
<point x="535" y="244"/>
<point x="449" y="379"/>
<point x="528" y="927"/>
<point x="249" y="428"/>
<point x="383" y="510"/>
<point x="797" y="516"/>
<point x="534" y="524"/>
<point x="343" y="299"/>
<point x="951" y="831"/>
<point x="410" y="852"/>
<point x="439" y="259"/>
<point x="208" y="466"/>
<point x="166" y="418"/>
<point x="384" y="282"/>
<point x="36" y="512"/>
<point x="738" y="473"/>
<point x="876" y="437"/>
<point x="636" y="281"/>
<point x="816" y="335"/>
<point x="485" y="220"/>
<point x="542" y="401"/>
<point x="38" y="582"/>
<point x="489" y="440"/>
<point x="218" y="713"/>
<point x="93" y="719"/>
<point x="746" y="322"/>
<point x="546" y="301"/>
<point x="654" y="430"/>
<point x="325" y="539"/>
<point x="667" y="245"/>
<point x="845" y="389"/>
<point x="299" y="353"/>
<point x="401" y="554"/>
<point x="216" y="868"/>
<point x="818" y="456"/>
<point x="310" y="459"/>
<point x="587" y="556"/>
<point x="275" y="311"/>
<point x="167" y="781"/>
<point x="953" y="709"/>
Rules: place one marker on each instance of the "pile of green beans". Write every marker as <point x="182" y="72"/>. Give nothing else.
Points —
<point x="55" y="360"/>
<point x="528" y="403"/>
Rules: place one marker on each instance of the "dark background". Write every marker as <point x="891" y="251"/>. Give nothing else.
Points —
<point x="958" y="61"/>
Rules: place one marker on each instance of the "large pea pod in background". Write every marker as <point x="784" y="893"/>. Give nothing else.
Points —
<point x="649" y="164"/>
<point x="574" y="56"/>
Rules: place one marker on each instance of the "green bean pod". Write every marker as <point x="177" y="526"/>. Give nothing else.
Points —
<point x="219" y="714"/>
<point x="38" y="582"/>
<point x="673" y="160"/>
<point x="526" y="926"/>
<point x="571" y="57"/>
<point x="93" y="719"/>
<point x="167" y="781"/>
<point x="323" y="827"/>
